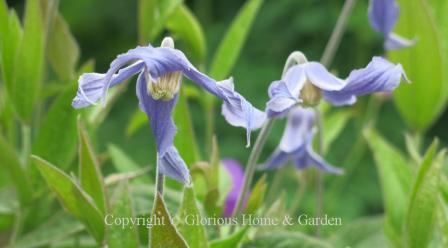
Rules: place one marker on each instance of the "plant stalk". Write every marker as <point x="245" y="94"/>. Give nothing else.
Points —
<point x="338" y="31"/>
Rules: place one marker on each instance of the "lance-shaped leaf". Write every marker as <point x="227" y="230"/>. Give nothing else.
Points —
<point x="62" y="49"/>
<point x="424" y="199"/>
<point x="287" y="239"/>
<point x="164" y="234"/>
<point x="152" y="17"/>
<point x="256" y="196"/>
<point x="395" y="177"/>
<point x="122" y="162"/>
<point x="184" y="25"/>
<point x="75" y="200"/>
<point x="194" y="234"/>
<point x="333" y="125"/>
<point x="421" y="103"/>
<point x="29" y="64"/>
<point x="9" y="163"/>
<point x="231" y="241"/>
<point x="230" y="47"/>
<point x="122" y="207"/>
<point x="89" y="171"/>
<point x="56" y="137"/>
<point x="185" y="139"/>
<point x="10" y="39"/>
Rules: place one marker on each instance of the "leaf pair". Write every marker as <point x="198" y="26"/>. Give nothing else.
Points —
<point x="411" y="202"/>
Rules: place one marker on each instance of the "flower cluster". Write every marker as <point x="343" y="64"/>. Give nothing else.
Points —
<point x="302" y="87"/>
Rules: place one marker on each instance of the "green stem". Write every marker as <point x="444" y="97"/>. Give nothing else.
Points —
<point x="326" y="60"/>
<point x="252" y="162"/>
<point x="26" y="143"/>
<point x="297" y="199"/>
<point x="160" y="180"/>
<point x="293" y="59"/>
<point x="319" y="175"/>
<point x="338" y="31"/>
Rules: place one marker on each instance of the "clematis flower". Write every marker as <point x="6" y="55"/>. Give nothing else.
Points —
<point x="236" y="173"/>
<point x="306" y="84"/>
<point x="383" y="15"/>
<point x="160" y="71"/>
<point x="296" y="144"/>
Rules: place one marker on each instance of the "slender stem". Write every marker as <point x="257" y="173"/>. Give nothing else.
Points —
<point x="326" y="60"/>
<point x="319" y="176"/>
<point x="251" y="164"/>
<point x="297" y="199"/>
<point x="26" y="143"/>
<point x="160" y="180"/>
<point x="338" y="31"/>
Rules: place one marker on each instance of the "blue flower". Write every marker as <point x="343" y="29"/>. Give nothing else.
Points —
<point x="383" y="15"/>
<point x="160" y="72"/>
<point x="306" y="84"/>
<point x="296" y="144"/>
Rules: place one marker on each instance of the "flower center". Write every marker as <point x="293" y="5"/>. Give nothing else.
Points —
<point x="310" y="95"/>
<point x="164" y="87"/>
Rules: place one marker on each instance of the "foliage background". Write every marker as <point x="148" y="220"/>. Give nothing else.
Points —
<point x="104" y="28"/>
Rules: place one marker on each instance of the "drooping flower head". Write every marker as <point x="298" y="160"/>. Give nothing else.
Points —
<point x="306" y="84"/>
<point x="296" y="144"/>
<point x="383" y="15"/>
<point x="303" y="86"/>
<point x="160" y="72"/>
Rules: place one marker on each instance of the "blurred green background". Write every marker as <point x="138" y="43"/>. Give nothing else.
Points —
<point x="105" y="28"/>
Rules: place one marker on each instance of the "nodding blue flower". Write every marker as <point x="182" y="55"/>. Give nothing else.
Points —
<point x="160" y="72"/>
<point x="307" y="83"/>
<point x="383" y="15"/>
<point x="296" y="144"/>
<point x="236" y="173"/>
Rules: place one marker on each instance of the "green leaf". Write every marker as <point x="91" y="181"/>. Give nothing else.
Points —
<point x="72" y="197"/>
<point x="424" y="199"/>
<point x="28" y="69"/>
<point x="417" y="21"/>
<point x="194" y="234"/>
<point x="232" y="241"/>
<point x="185" y="140"/>
<point x="152" y="17"/>
<point x="56" y="137"/>
<point x="138" y="120"/>
<point x="62" y="49"/>
<point x="256" y="196"/>
<point x="333" y="126"/>
<point x="361" y="233"/>
<point x="90" y="175"/>
<point x="59" y="227"/>
<point x="184" y="25"/>
<point x="164" y="235"/>
<point x="286" y="240"/>
<point x="121" y="160"/>
<point x="395" y="177"/>
<point x="230" y="47"/>
<point x="10" y="163"/>
<point x="11" y="37"/>
<point x="122" y="207"/>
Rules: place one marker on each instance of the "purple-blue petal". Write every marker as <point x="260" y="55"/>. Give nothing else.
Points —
<point x="299" y="124"/>
<point x="320" y="77"/>
<point x="380" y="75"/>
<point x="281" y="99"/>
<point x="277" y="159"/>
<point x="172" y="165"/>
<point x="395" y="42"/>
<point x="383" y="14"/>
<point x="91" y="85"/>
<point x="237" y="110"/>
<point x="237" y="176"/>
<point x="159" y="113"/>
